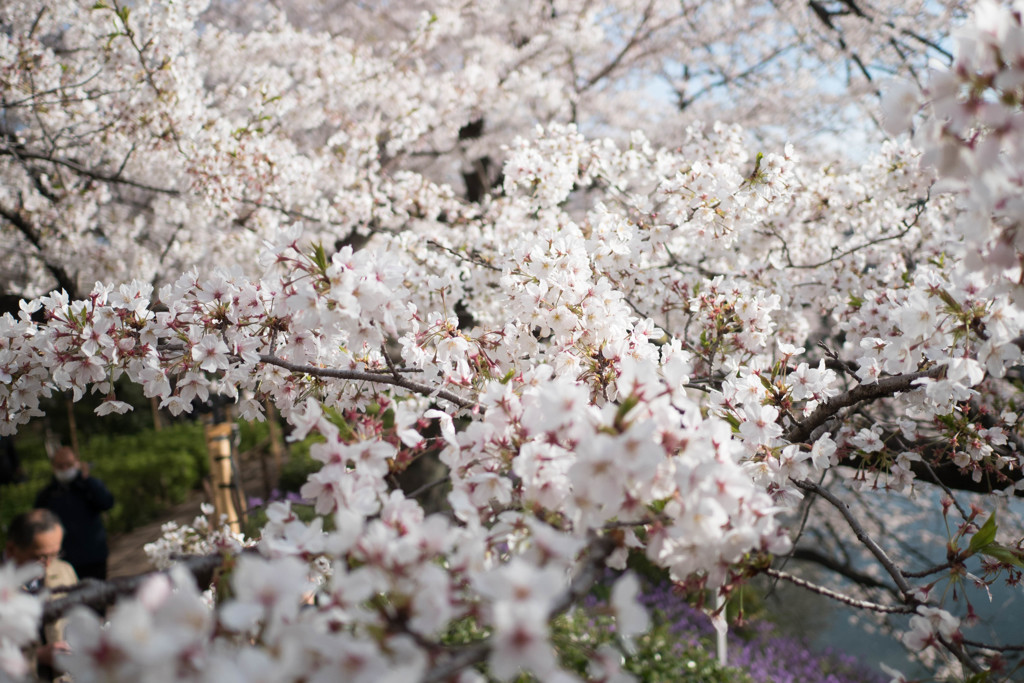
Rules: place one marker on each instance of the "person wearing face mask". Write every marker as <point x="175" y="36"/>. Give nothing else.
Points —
<point x="78" y="500"/>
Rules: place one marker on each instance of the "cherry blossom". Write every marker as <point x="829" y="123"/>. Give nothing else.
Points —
<point x="585" y="259"/>
<point x="20" y="617"/>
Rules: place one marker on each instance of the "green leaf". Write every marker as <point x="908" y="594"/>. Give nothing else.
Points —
<point x="985" y="536"/>
<point x="947" y="298"/>
<point x="756" y="173"/>
<point x="320" y="257"/>
<point x="627" y="405"/>
<point x="1003" y="554"/>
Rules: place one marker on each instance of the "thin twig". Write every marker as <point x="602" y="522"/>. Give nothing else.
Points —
<point x="90" y="172"/>
<point x="840" y="597"/>
<point x="928" y="572"/>
<point x="997" y="648"/>
<point x="429" y="485"/>
<point x="949" y="492"/>
<point x="862" y="536"/>
<point x="475" y="259"/>
<point x="843" y="569"/>
<point x="884" y="560"/>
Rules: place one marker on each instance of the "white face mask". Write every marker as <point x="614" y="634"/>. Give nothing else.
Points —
<point x="66" y="476"/>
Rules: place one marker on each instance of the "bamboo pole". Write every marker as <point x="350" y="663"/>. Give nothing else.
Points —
<point x="218" y="444"/>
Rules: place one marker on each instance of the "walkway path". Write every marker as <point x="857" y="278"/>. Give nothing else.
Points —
<point x="127" y="557"/>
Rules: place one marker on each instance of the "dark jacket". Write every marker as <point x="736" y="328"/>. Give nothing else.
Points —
<point x="78" y="504"/>
<point x="10" y="464"/>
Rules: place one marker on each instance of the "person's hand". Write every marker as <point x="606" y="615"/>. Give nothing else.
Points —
<point x="83" y="469"/>
<point x="45" y="653"/>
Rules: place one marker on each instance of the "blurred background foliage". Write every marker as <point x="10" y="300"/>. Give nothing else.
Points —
<point x="147" y="469"/>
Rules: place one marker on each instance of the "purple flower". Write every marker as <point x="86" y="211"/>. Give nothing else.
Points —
<point x="764" y="654"/>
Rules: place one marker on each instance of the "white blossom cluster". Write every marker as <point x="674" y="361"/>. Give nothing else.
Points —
<point x="659" y="342"/>
<point x="198" y="538"/>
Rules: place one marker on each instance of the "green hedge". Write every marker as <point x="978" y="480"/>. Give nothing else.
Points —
<point x="148" y="471"/>
<point x="252" y="435"/>
<point x="15" y="499"/>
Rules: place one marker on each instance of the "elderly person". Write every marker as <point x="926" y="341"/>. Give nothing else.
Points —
<point x="78" y="500"/>
<point x="35" y="537"/>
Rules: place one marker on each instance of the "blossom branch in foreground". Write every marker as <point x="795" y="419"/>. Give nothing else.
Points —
<point x="101" y="594"/>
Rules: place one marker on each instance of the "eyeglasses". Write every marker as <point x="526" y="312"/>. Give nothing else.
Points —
<point x="46" y="558"/>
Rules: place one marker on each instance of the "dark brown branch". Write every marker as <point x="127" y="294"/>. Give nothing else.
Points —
<point x="890" y="567"/>
<point x="883" y="388"/>
<point x="429" y="485"/>
<point x="473" y="258"/>
<point x="88" y="172"/>
<point x="862" y="536"/>
<point x="936" y="467"/>
<point x="31" y="233"/>
<point x="928" y="572"/>
<point x="948" y="476"/>
<point x="907" y="227"/>
<point x="362" y="376"/>
<point x="997" y="648"/>
<point x="102" y="594"/>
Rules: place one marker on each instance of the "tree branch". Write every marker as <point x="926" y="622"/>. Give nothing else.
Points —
<point x="64" y="279"/>
<point x="883" y="559"/>
<point x="88" y="172"/>
<point x="102" y="594"/>
<point x="862" y="536"/>
<point x="883" y="388"/>
<point x="840" y="597"/>
<point x="363" y="376"/>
